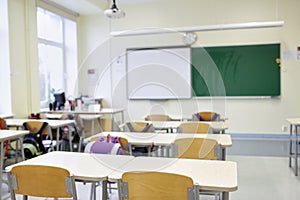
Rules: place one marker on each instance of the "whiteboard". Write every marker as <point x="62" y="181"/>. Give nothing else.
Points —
<point x="159" y="73"/>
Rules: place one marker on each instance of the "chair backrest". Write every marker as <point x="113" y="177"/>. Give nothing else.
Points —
<point x="193" y="127"/>
<point x="139" y="127"/>
<point x="124" y="143"/>
<point x="158" y="117"/>
<point x="206" y="116"/>
<point x="41" y="181"/>
<point x="33" y="141"/>
<point x="197" y="148"/>
<point x="38" y="127"/>
<point x="157" y="185"/>
<point x="3" y="125"/>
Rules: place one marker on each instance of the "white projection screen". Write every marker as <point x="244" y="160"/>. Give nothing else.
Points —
<point x="159" y="73"/>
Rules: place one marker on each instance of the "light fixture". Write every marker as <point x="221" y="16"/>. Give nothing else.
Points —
<point x="114" y="12"/>
<point x="220" y="27"/>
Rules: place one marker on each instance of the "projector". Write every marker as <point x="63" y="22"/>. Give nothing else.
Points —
<point x="114" y="13"/>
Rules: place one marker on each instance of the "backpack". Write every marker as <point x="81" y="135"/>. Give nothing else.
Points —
<point x="32" y="143"/>
<point x="109" y="145"/>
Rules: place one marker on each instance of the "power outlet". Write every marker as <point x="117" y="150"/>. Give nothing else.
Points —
<point x="284" y="128"/>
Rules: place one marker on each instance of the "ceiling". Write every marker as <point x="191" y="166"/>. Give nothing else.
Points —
<point x="86" y="7"/>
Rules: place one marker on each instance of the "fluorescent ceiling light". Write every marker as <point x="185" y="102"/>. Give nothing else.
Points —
<point x="152" y="31"/>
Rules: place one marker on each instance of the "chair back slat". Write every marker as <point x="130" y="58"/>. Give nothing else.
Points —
<point x="156" y="185"/>
<point x="42" y="181"/>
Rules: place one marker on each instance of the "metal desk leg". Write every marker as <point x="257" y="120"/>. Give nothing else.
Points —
<point x="22" y="148"/>
<point x="17" y="150"/>
<point x="225" y="195"/>
<point x="122" y="113"/>
<point x="296" y="151"/>
<point x="1" y="166"/>
<point x="93" y="127"/>
<point x="104" y="190"/>
<point x="223" y="156"/>
<point x="70" y="137"/>
<point x="112" y="122"/>
<point x="57" y="139"/>
<point x="291" y="145"/>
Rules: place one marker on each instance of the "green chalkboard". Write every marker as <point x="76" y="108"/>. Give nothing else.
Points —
<point x="249" y="70"/>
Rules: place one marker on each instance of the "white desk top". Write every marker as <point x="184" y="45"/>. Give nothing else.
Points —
<point x="52" y="123"/>
<point x="90" y="117"/>
<point x="293" y="121"/>
<point x="183" y="118"/>
<point x="163" y="138"/>
<point x="101" y="111"/>
<point x="210" y="175"/>
<point x="84" y="166"/>
<point x="11" y="134"/>
<point x="216" y="126"/>
<point x="6" y="116"/>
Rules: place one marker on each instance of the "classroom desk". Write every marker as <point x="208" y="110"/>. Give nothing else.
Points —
<point x="218" y="176"/>
<point x="294" y="125"/>
<point x="103" y="111"/>
<point x="212" y="176"/>
<point x="186" y="118"/>
<point x="55" y="124"/>
<point x="9" y="135"/>
<point x="217" y="127"/>
<point x="166" y="140"/>
<point x="92" y="118"/>
<point x="6" y="116"/>
<point x="84" y="166"/>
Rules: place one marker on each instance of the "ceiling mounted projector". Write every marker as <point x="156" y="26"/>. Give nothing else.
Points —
<point x="114" y="12"/>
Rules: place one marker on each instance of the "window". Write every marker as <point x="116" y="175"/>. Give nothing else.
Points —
<point x="57" y="49"/>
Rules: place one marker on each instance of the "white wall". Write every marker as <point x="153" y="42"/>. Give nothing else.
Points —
<point x="245" y="115"/>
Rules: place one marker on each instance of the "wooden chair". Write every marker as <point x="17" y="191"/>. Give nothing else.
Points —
<point x="158" y="117"/>
<point x="41" y="181"/>
<point x="193" y="127"/>
<point x="157" y="185"/>
<point x="43" y="132"/>
<point x="144" y="127"/>
<point x="139" y="127"/>
<point x="206" y="116"/>
<point x="3" y="126"/>
<point x="197" y="148"/>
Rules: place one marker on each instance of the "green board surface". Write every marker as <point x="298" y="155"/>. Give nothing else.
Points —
<point x="249" y="70"/>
